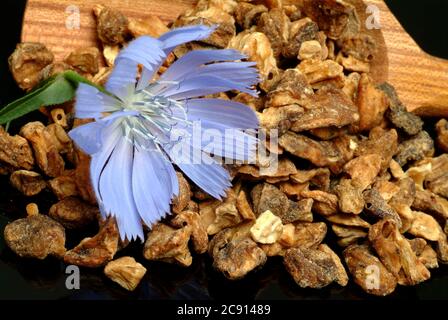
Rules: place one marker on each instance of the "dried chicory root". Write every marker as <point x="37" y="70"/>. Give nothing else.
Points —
<point x="351" y="160"/>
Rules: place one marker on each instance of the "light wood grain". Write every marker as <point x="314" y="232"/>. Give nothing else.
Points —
<point x="421" y="80"/>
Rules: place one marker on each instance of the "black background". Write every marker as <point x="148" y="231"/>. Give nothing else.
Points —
<point x="25" y="279"/>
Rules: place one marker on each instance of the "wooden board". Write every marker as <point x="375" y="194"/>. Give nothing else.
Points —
<point x="420" y="79"/>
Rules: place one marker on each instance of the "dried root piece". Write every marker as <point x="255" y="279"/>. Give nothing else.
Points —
<point x="431" y="203"/>
<point x="348" y="235"/>
<point x="424" y="252"/>
<point x="372" y="104"/>
<point x="73" y="213"/>
<point x="152" y="26"/>
<point x="350" y="199"/>
<point x="437" y="179"/>
<point x="425" y="226"/>
<point x="415" y="149"/>
<point x="112" y="25"/>
<point x="199" y="236"/>
<point x="27" y="62"/>
<point x="291" y="89"/>
<point x="184" y="197"/>
<point x="300" y="31"/>
<point x="315" y="268"/>
<point x="167" y="244"/>
<point x="396" y="253"/>
<point x="15" y="151"/>
<point x="379" y="208"/>
<point x="442" y="134"/>
<point x="247" y="14"/>
<point x="28" y="182"/>
<point x="84" y="60"/>
<point x="275" y="25"/>
<point x="368" y="272"/>
<point x="226" y="214"/>
<point x="96" y="251"/>
<point x="331" y="108"/>
<point x="317" y="71"/>
<point x="45" y="148"/>
<point x="36" y="236"/>
<point x="126" y="272"/>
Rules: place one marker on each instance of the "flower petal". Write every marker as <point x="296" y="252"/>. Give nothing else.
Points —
<point x="116" y="191"/>
<point x="224" y="112"/>
<point x="144" y="50"/>
<point x="178" y="36"/>
<point x="154" y="182"/>
<point x="88" y="137"/>
<point x="204" y="171"/>
<point x="191" y="61"/>
<point x="91" y="103"/>
<point x="202" y="85"/>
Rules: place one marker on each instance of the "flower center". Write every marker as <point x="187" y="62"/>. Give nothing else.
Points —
<point x="158" y="115"/>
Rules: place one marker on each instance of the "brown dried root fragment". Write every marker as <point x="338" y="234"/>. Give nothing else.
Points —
<point x="379" y="208"/>
<point x="431" y="203"/>
<point x="425" y="226"/>
<point x="330" y="108"/>
<point x="415" y="149"/>
<point x="353" y="64"/>
<point x="397" y="113"/>
<point x="15" y="151"/>
<point x="315" y="268"/>
<point x="442" y="134"/>
<point x="437" y="179"/>
<point x="275" y="25"/>
<point x="199" y="236"/>
<point x="372" y="104"/>
<point x="226" y="214"/>
<point x="45" y="148"/>
<point x="396" y="253"/>
<point x="247" y="14"/>
<point x="307" y="235"/>
<point x="381" y="142"/>
<point x="27" y="62"/>
<point x="363" y="170"/>
<point x="442" y="249"/>
<point x="27" y="182"/>
<point x="36" y="236"/>
<point x="300" y="31"/>
<point x="258" y="48"/>
<point x="368" y="272"/>
<point x="319" y="178"/>
<point x="292" y="89"/>
<point x="284" y="169"/>
<point x="152" y="26"/>
<point x="348" y="220"/>
<point x="167" y="244"/>
<point x="82" y="177"/>
<point x="126" y="272"/>
<point x="112" y="25"/>
<point x="317" y="71"/>
<point x="244" y="207"/>
<point x="333" y="154"/>
<point x="73" y="213"/>
<point x="324" y="204"/>
<point x="235" y="254"/>
<point x="64" y="186"/>
<point x="211" y="16"/>
<point x="424" y="252"/>
<point x="311" y="49"/>
<point x="332" y="16"/>
<point x="350" y="199"/>
<point x="360" y="46"/>
<point x="59" y="117"/>
<point x="268" y="197"/>
<point x="267" y="229"/>
<point x="351" y="85"/>
<point x="229" y="6"/>
<point x="84" y="60"/>
<point x="348" y="235"/>
<point x="96" y="251"/>
<point x="184" y="197"/>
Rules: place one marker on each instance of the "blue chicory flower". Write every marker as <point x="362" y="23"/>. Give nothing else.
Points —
<point x="130" y="140"/>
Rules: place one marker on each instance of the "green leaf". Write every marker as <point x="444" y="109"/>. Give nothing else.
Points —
<point x="55" y="90"/>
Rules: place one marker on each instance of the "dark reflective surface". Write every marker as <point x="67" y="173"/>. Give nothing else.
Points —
<point x="30" y="279"/>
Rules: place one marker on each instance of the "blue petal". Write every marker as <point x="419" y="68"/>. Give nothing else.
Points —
<point x="144" y="50"/>
<point x="224" y="112"/>
<point x="91" y="103"/>
<point x="115" y="188"/>
<point x="191" y="61"/>
<point x="176" y="37"/>
<point x="154" y="183"/>
<point x="202" y="85"/>
<point x="205" y="172"/>
<point x="88" y="137"/>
